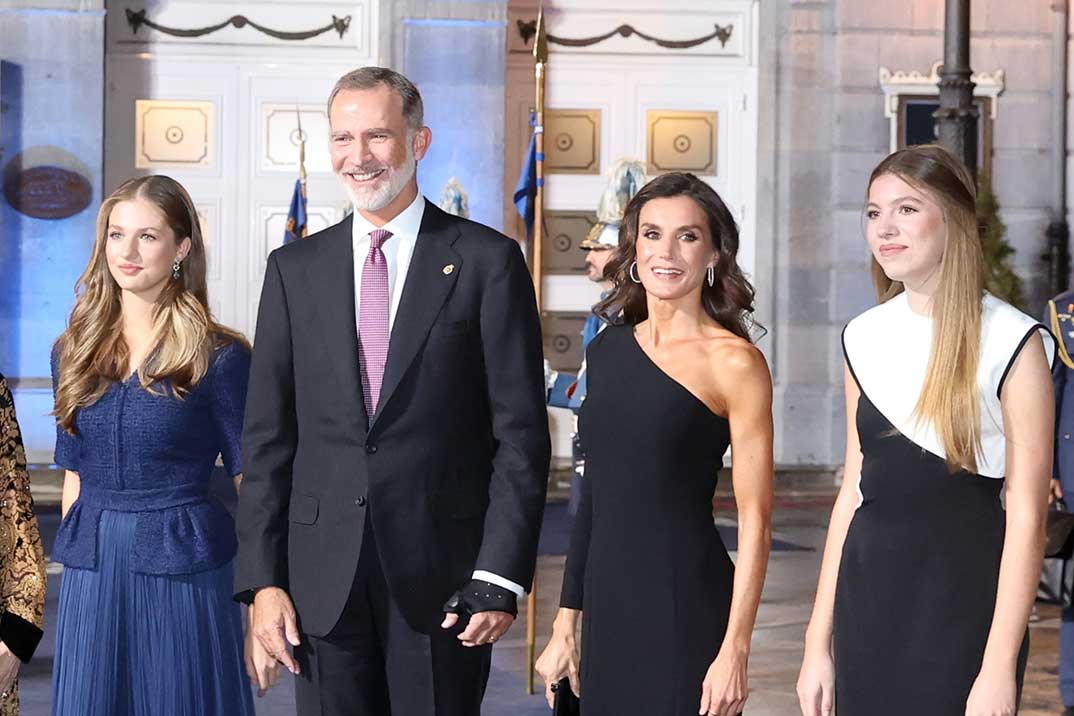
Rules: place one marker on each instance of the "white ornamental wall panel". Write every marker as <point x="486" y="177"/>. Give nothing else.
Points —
<point x="137" y="88"/>
<point x="273" y="222"/>
<point x="626" y="89"/>
<point x="724" y="29"/>
<point x="241" y="71"/>
<point x="146" y="98"/>
<point x="270" y="222"/>
<point x="711" y="34"/>
<point x="283" y="127"/>
<point x="209" y="219"/>
<point x="572" y="87"/>
<point x="266" y="195"/>
<point x="207" y="26"/>
<point x="729" y="94"/>
<point x="218" y="228"/>
<point x="174" y="133"/>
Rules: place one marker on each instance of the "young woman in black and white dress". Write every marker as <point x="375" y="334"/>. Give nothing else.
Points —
<point x="927" y="583"/>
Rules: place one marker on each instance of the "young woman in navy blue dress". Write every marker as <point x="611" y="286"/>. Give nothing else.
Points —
<point x="927" y="582"/>
<point x="149" y="391"/>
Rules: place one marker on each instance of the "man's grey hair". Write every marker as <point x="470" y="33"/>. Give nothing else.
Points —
<point x="365" y="78"/>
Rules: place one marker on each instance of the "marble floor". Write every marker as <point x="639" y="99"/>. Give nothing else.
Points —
<point x="799" y="524"/>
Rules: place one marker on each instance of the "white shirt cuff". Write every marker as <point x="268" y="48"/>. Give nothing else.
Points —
<point x="499" y="581"/>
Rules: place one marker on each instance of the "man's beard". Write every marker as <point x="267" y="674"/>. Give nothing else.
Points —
<point x="384" y="192"/>
<point x="592" y="273"/>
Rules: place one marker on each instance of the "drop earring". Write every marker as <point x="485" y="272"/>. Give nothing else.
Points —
<point x="175" y="268"/>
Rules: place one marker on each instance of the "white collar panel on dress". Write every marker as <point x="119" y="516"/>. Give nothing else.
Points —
<point x="888" y="347"/>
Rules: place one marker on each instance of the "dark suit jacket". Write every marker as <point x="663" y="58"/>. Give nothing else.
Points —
<point x="453" y="467"/>
<point x="1063" y="378"/>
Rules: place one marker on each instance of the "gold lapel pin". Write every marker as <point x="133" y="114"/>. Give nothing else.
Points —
<point x="448" y="269"/>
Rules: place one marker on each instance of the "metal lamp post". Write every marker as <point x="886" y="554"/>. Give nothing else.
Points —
<point x="956" y="119"/>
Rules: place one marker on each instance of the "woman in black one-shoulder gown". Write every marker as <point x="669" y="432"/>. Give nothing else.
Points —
<point x="666" y="619"/>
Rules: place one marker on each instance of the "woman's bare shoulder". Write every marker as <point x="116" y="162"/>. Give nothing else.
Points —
<point x="735" y="355"/>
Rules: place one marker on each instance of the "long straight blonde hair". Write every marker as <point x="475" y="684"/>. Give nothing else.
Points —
<point x="949" y="396"/>
<point x="92" y="351"/>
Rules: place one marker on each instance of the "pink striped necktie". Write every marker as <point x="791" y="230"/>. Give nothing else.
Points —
<point x="373" y="321"/>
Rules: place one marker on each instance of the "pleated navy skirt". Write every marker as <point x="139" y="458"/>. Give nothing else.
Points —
<point x="130" y="644"/>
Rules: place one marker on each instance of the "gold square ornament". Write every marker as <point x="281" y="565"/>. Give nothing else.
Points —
<point x="572" y="141"/>
<point x="562" y="336"/>
<point x="681" y="141"/>
<point x="560" y="252"/>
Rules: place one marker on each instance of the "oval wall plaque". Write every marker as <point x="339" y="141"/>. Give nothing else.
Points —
<point x="48" y="192"/>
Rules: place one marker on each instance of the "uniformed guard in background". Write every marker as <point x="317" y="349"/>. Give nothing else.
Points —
<point x="626" y="177"/>
<point x="1060" y="320"/>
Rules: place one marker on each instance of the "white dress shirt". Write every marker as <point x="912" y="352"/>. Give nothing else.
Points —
<point x="398" y="251"/>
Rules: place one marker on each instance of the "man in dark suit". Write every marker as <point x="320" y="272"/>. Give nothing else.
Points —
<point x="396" y="439"/>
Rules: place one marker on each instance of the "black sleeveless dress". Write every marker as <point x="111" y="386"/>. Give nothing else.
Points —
<point x="646" y="564"/>
<point x="920" y="564"/>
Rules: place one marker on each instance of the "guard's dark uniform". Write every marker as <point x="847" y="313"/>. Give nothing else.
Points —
<point x="1059" y="318"/>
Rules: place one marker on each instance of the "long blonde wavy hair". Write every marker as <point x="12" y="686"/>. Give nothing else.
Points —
<point x="949" y="396"/>
<point x="92" y="351"/>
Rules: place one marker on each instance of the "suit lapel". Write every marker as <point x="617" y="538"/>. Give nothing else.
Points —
<point x="427" y="287"/>
<point x="331" y="281"/>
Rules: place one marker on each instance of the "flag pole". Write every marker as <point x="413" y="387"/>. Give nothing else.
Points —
<point x="540" y="55"/>
<point x="301" y="151"/>
<point x="302" y="169"/>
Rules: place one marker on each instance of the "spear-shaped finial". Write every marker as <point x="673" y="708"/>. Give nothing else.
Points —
<point x="540" y="45"/>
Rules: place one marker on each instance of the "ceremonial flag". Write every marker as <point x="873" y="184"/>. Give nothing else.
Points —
<point x="296" y="215"/>
<point x="526" y="189"/>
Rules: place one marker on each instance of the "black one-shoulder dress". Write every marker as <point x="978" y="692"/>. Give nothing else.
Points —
<point x="646" y="564"/>
<point x="919" y="571"/>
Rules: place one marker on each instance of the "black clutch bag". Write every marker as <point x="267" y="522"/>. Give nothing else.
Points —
<point x="1060" y="542"/>
<point x="566" y="703"/>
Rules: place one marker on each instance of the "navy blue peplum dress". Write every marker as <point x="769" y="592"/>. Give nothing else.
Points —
<point x="146" y="621"/>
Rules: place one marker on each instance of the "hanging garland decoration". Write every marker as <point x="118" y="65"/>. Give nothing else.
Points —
<point x="137" y="19"/>
<point x="528" y="29"/>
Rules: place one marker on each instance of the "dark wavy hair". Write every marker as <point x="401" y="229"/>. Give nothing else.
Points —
<point x="729" y="301"/>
